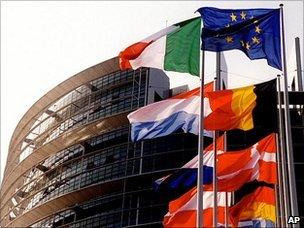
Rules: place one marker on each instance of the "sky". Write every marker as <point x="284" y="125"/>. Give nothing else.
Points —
<point x="45" y="42"/>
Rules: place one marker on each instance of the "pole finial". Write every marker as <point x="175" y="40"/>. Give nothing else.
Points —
<point x="281" y="5"/>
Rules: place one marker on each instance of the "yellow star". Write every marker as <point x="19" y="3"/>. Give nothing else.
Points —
<point x="257" y="29"/>
<point x="227" y="26"/>
<point x="247" y="45"/>
<point x="233" y="17"/>
<point x="229" y="39"/>
<point x="243" y="15"/>
<point x="242" y="42"/>
<point x="255" y="40"/>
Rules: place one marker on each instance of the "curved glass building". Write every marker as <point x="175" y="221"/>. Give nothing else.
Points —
<point x="71" y="162"/>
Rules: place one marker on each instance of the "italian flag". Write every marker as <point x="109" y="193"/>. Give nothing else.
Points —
<point x="175" y="48"/>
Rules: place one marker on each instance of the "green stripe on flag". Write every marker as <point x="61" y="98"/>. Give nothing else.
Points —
<point x="183" y="48"/>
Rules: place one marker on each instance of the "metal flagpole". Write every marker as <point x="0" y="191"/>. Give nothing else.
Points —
<point x="214" y="180"/>
<point x="277" y="206"/>
<point x="217" y="85"/>
<point x="289" y="149"/>
<point x="220" y="87"/>
<point x="299" y="67"/>
<point x="278" y="189"/>
<point x="214" y="176"/>
<point x="200" y="172"/>
<point x="226" y="193"/>
<point x="283" y="154"/>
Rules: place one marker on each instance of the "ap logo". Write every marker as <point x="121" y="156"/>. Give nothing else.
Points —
<point x="293" y="219"/>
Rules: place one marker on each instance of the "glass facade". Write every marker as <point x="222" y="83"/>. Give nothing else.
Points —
<point x="101" y="161"/>
<point x="103" y="97"/>
<point x="108" y="157"/>
<point x="137" y="166"/>
<point x="95" y="160"/>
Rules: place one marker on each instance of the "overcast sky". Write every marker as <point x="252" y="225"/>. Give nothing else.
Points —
<point x="44" y="43"/>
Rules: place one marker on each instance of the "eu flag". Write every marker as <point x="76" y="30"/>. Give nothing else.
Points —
<point x="256" y="32"/>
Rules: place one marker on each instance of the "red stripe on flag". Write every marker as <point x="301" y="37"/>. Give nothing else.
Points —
<point x="179" y="202"/>
<point x="239" y="158"/>
<point x="222" y="114"/>
<point x="130" y="53"/>
<point x="268" y="144"/>
<point x="188" y="218"/>
<point x="195" y="92"/>
<point x="234" y="183"/>
<point x="267" y="172"/>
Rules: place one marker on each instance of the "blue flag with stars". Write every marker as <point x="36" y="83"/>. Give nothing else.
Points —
<point x="256" y="32"/>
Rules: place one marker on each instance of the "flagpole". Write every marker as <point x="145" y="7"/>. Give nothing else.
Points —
<point x="200" y="174"/>
<point x="214" y="176"/>
<point x="217" y="86"/>
<point x="221" y="87"/>
<point x="280" y="212"/>
<point x="290" y="160"/>
<point x="278" y="188"/>
<point x="299" y="67"/>
<point x="226" y="193"/>
<point x="282" y="153"/>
